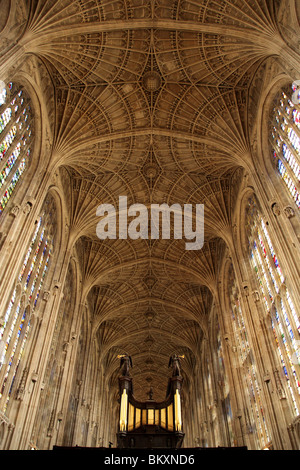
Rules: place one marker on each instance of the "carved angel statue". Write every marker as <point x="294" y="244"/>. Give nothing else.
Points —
<point x="125" y="364"/>
<point x="176" y="364"/>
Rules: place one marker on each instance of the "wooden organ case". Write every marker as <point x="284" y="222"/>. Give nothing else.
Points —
<point x="150" y="424"/>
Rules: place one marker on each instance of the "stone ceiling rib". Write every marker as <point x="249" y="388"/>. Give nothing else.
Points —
<point x="151" y="101"/>
<point x="241" y="32"/>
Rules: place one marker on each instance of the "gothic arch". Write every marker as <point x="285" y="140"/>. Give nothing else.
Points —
<point x="271" y="95"/>
<point x="166" y="102"/>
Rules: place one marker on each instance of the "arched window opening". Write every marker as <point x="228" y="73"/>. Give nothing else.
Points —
<point x="254" y="413"/>
<point x="16" y="324"/>
<point x="16" y="139"/>
<point x="277" y="300"/>
<point x="285" y="142"/>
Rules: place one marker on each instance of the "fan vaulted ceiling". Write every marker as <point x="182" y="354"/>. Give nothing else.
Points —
<point x="151" y="99"/>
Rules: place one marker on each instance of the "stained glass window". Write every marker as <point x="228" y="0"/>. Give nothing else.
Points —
<point x="255" y="416"/>
<point x="285" y="142"/>
<point x="16" y="326"/>
<point x="277" y="300"/>
<point x="15" y="139"/>
<point x="3" y="93"/>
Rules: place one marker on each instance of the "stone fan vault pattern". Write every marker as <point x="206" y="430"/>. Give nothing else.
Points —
<point x="156" y="100"/>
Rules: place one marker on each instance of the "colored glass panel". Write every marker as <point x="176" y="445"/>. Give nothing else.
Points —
<point x="14" y="331"/>
<point x="256" y="412"/>
<point x="15" y="139"/>
<point x="285" y="322"/>
<point x="285" y="140"/>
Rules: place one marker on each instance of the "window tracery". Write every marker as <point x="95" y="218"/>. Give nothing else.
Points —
<point x="16" y="321"/>
<point x="277" y="300"/>
<point x="255" y="414"/>
<point x="285" y="143"/>
<point x="16" y="123"/>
